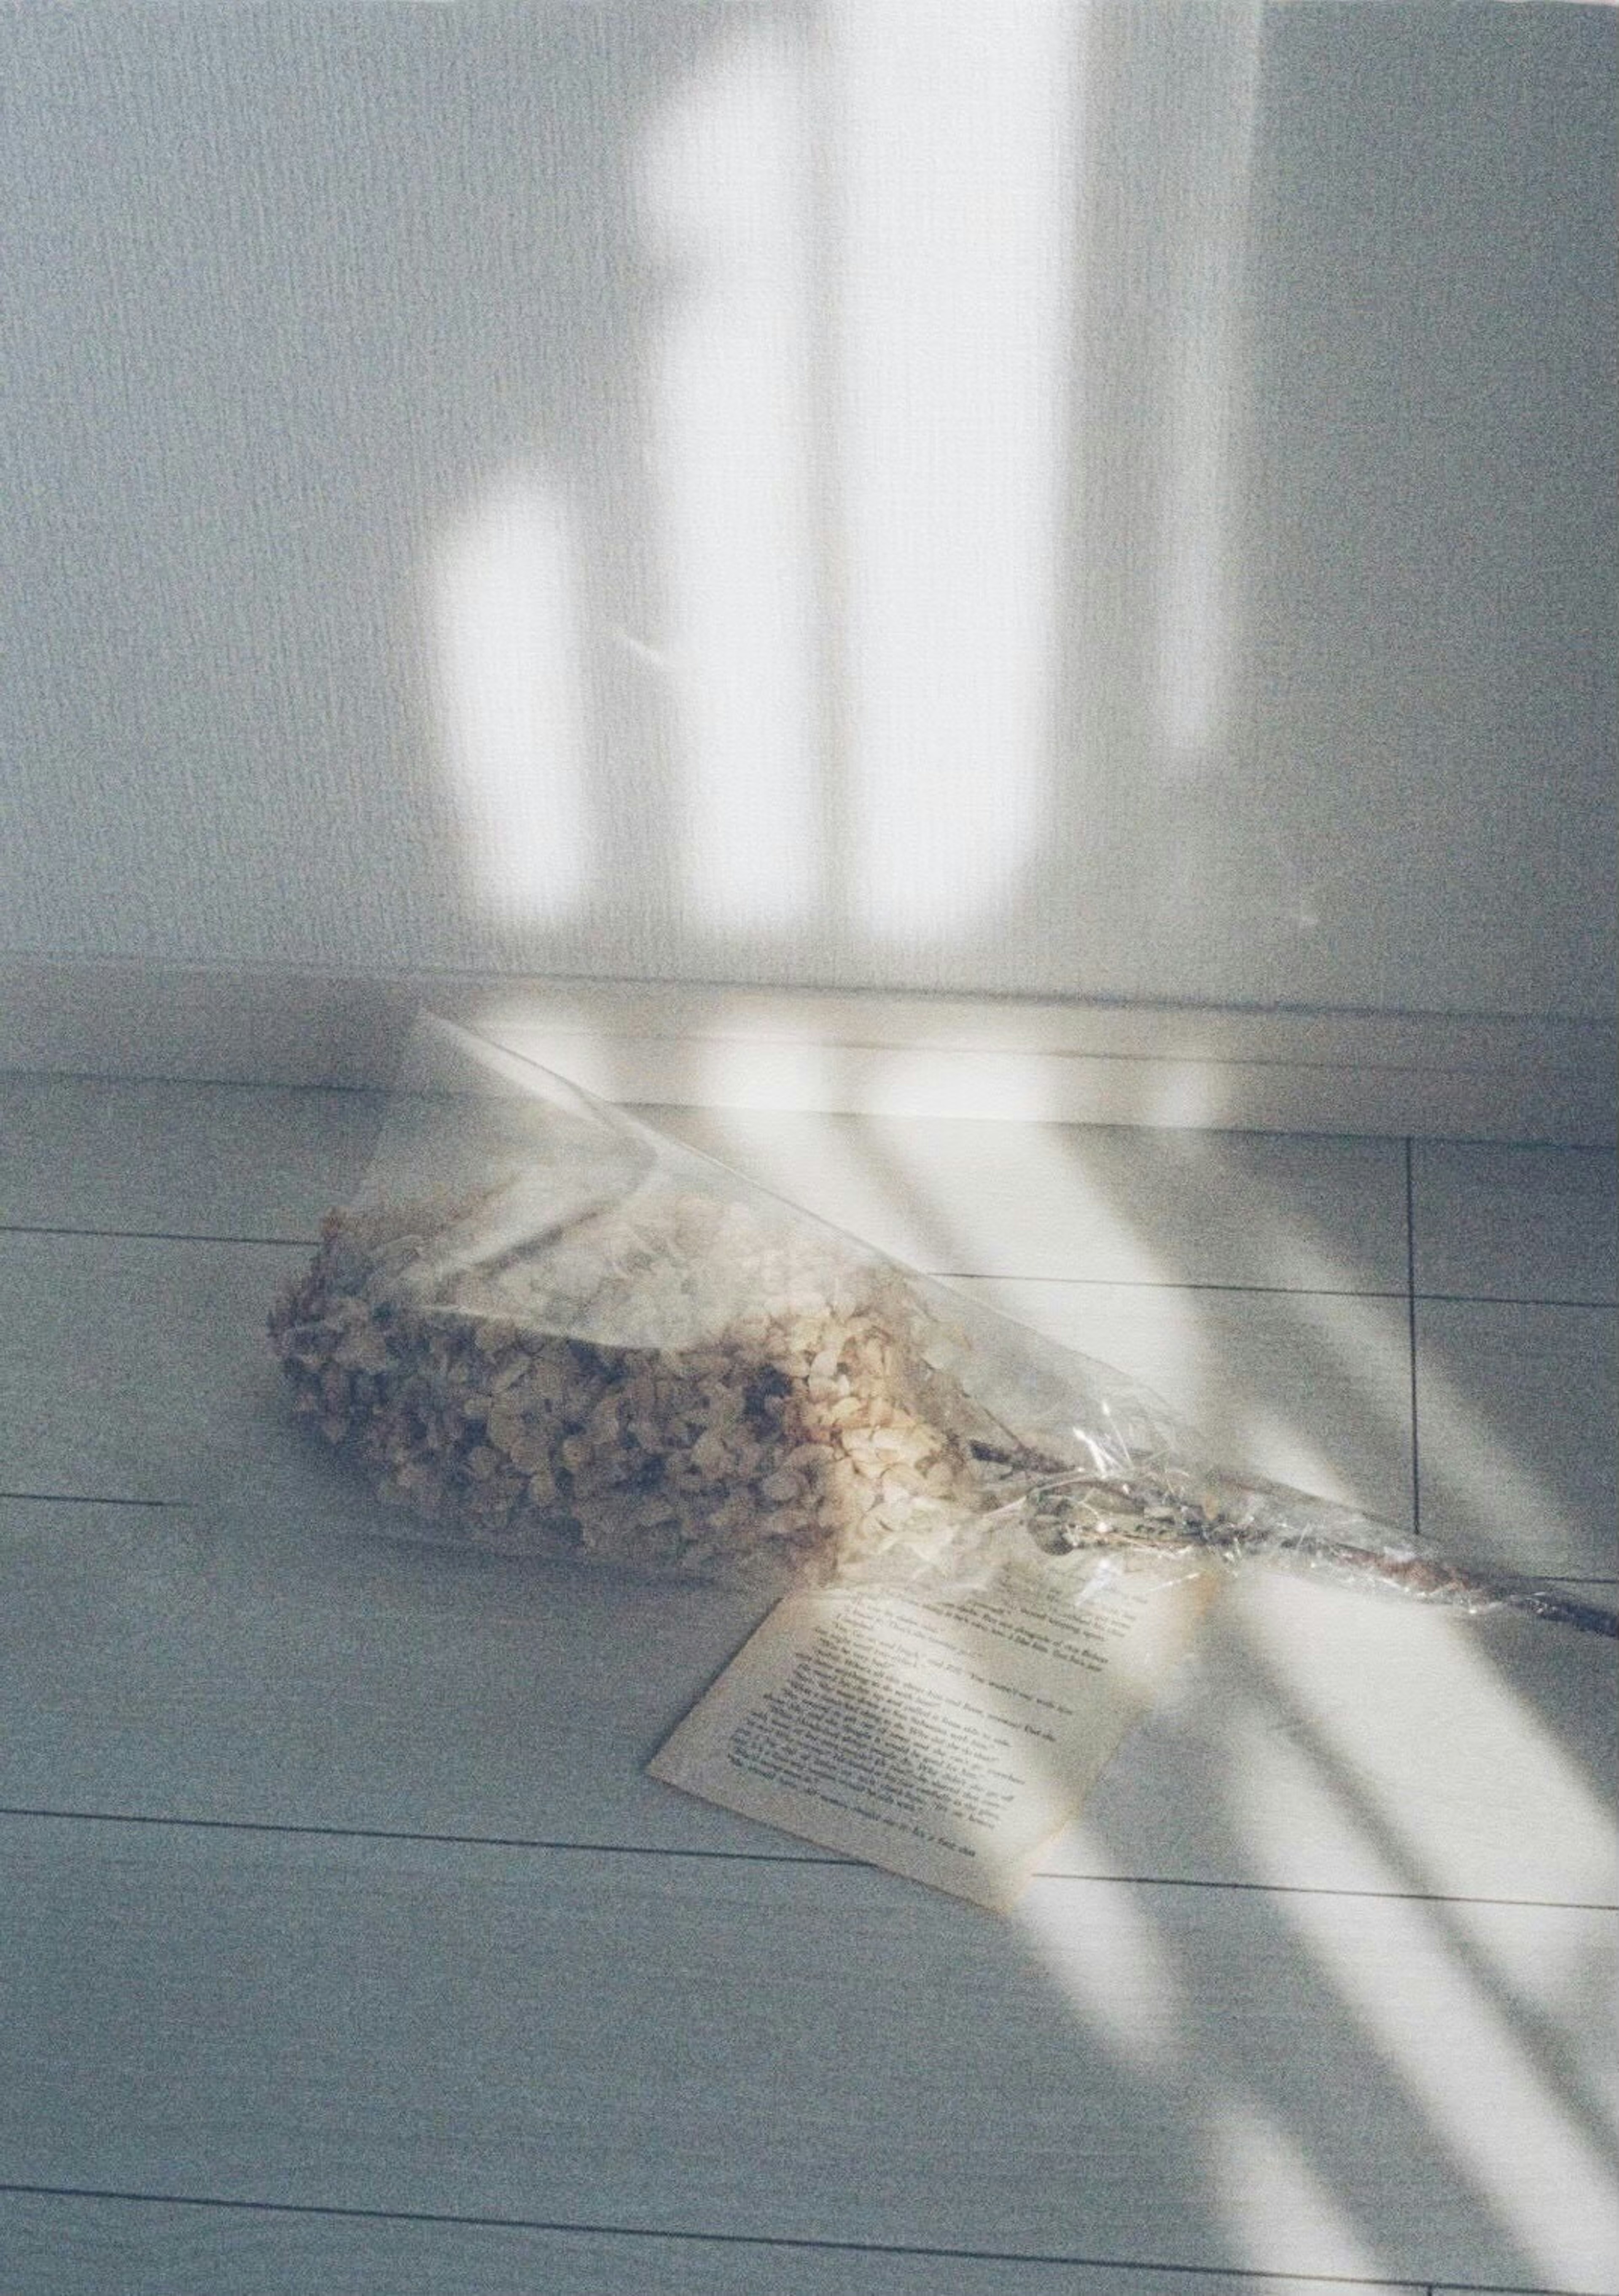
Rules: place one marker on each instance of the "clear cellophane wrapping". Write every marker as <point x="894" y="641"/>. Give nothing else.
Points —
<point x="541" y="1326"/>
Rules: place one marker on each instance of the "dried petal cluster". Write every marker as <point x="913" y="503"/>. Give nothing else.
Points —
<point x="673" y="1383"/>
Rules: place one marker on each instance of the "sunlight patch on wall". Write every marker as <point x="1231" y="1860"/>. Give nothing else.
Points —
<point x="1197" y="639"/>
<point x="725" y="185"/>
<point x="512" y="702"/>
<point x="1191" y="636"/>
<point x="955" y="192"/>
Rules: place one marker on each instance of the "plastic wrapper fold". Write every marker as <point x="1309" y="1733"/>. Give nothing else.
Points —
<point x="543" y="1327"/>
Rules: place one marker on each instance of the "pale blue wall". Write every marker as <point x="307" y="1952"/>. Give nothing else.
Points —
<point x="1254" y="505"/>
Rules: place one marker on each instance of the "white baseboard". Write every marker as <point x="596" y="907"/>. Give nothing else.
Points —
<point x="866" y="1051"/>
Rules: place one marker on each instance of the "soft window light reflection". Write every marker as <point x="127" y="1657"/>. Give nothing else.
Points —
<point x="1528" y="2152"/>
<point x="1370" y="1349"/>
<point x="1195" y="634"/>
<point x="725" y="186"/>
<point x="955" y="200"/>
<point x="1292" y="1455"/>
<point x="1461" y="1447"/>
<point x="1391" y="1743"/>
<point x="1267" y="2192"/>
<point x="1178" y="1093"/>
<point x="1569" y="1976"/>
<point x="511" y="698"/>
<point x="1192" y="635"/>
<point x="1373" y="1681"/>
<point x="1104" y="1951"/>
<point x="1499" y="1491"/>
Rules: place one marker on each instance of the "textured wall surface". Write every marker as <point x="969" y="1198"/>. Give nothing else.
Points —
<point x="1111" y="503"/>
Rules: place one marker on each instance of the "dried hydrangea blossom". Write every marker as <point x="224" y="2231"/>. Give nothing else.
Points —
<point x="672" y="1378"/>
<point x="674" y="1383"/>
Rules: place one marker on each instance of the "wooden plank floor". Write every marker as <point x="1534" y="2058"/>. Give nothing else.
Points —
<point x="344" y="1945"/>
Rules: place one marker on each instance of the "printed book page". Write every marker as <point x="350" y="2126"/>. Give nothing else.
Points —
<point x="946" y="1740"/>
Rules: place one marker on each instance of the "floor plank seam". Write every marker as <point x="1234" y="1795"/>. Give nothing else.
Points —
<point x="791" y="2241"/>
<point x="160" y="1236"/>
<point x="277" y="1084"/>
<point x="97" y="1499"/>
<point x="785" y="1858"/>
<point x="1504" y="1299"/>
<point x="192" y="1506"/>
<point x="1407" y="1292"/>
<point x="1237" y="2273"/>
<point x="1170" y="1284"/>
<point x="649" y="1110"/>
